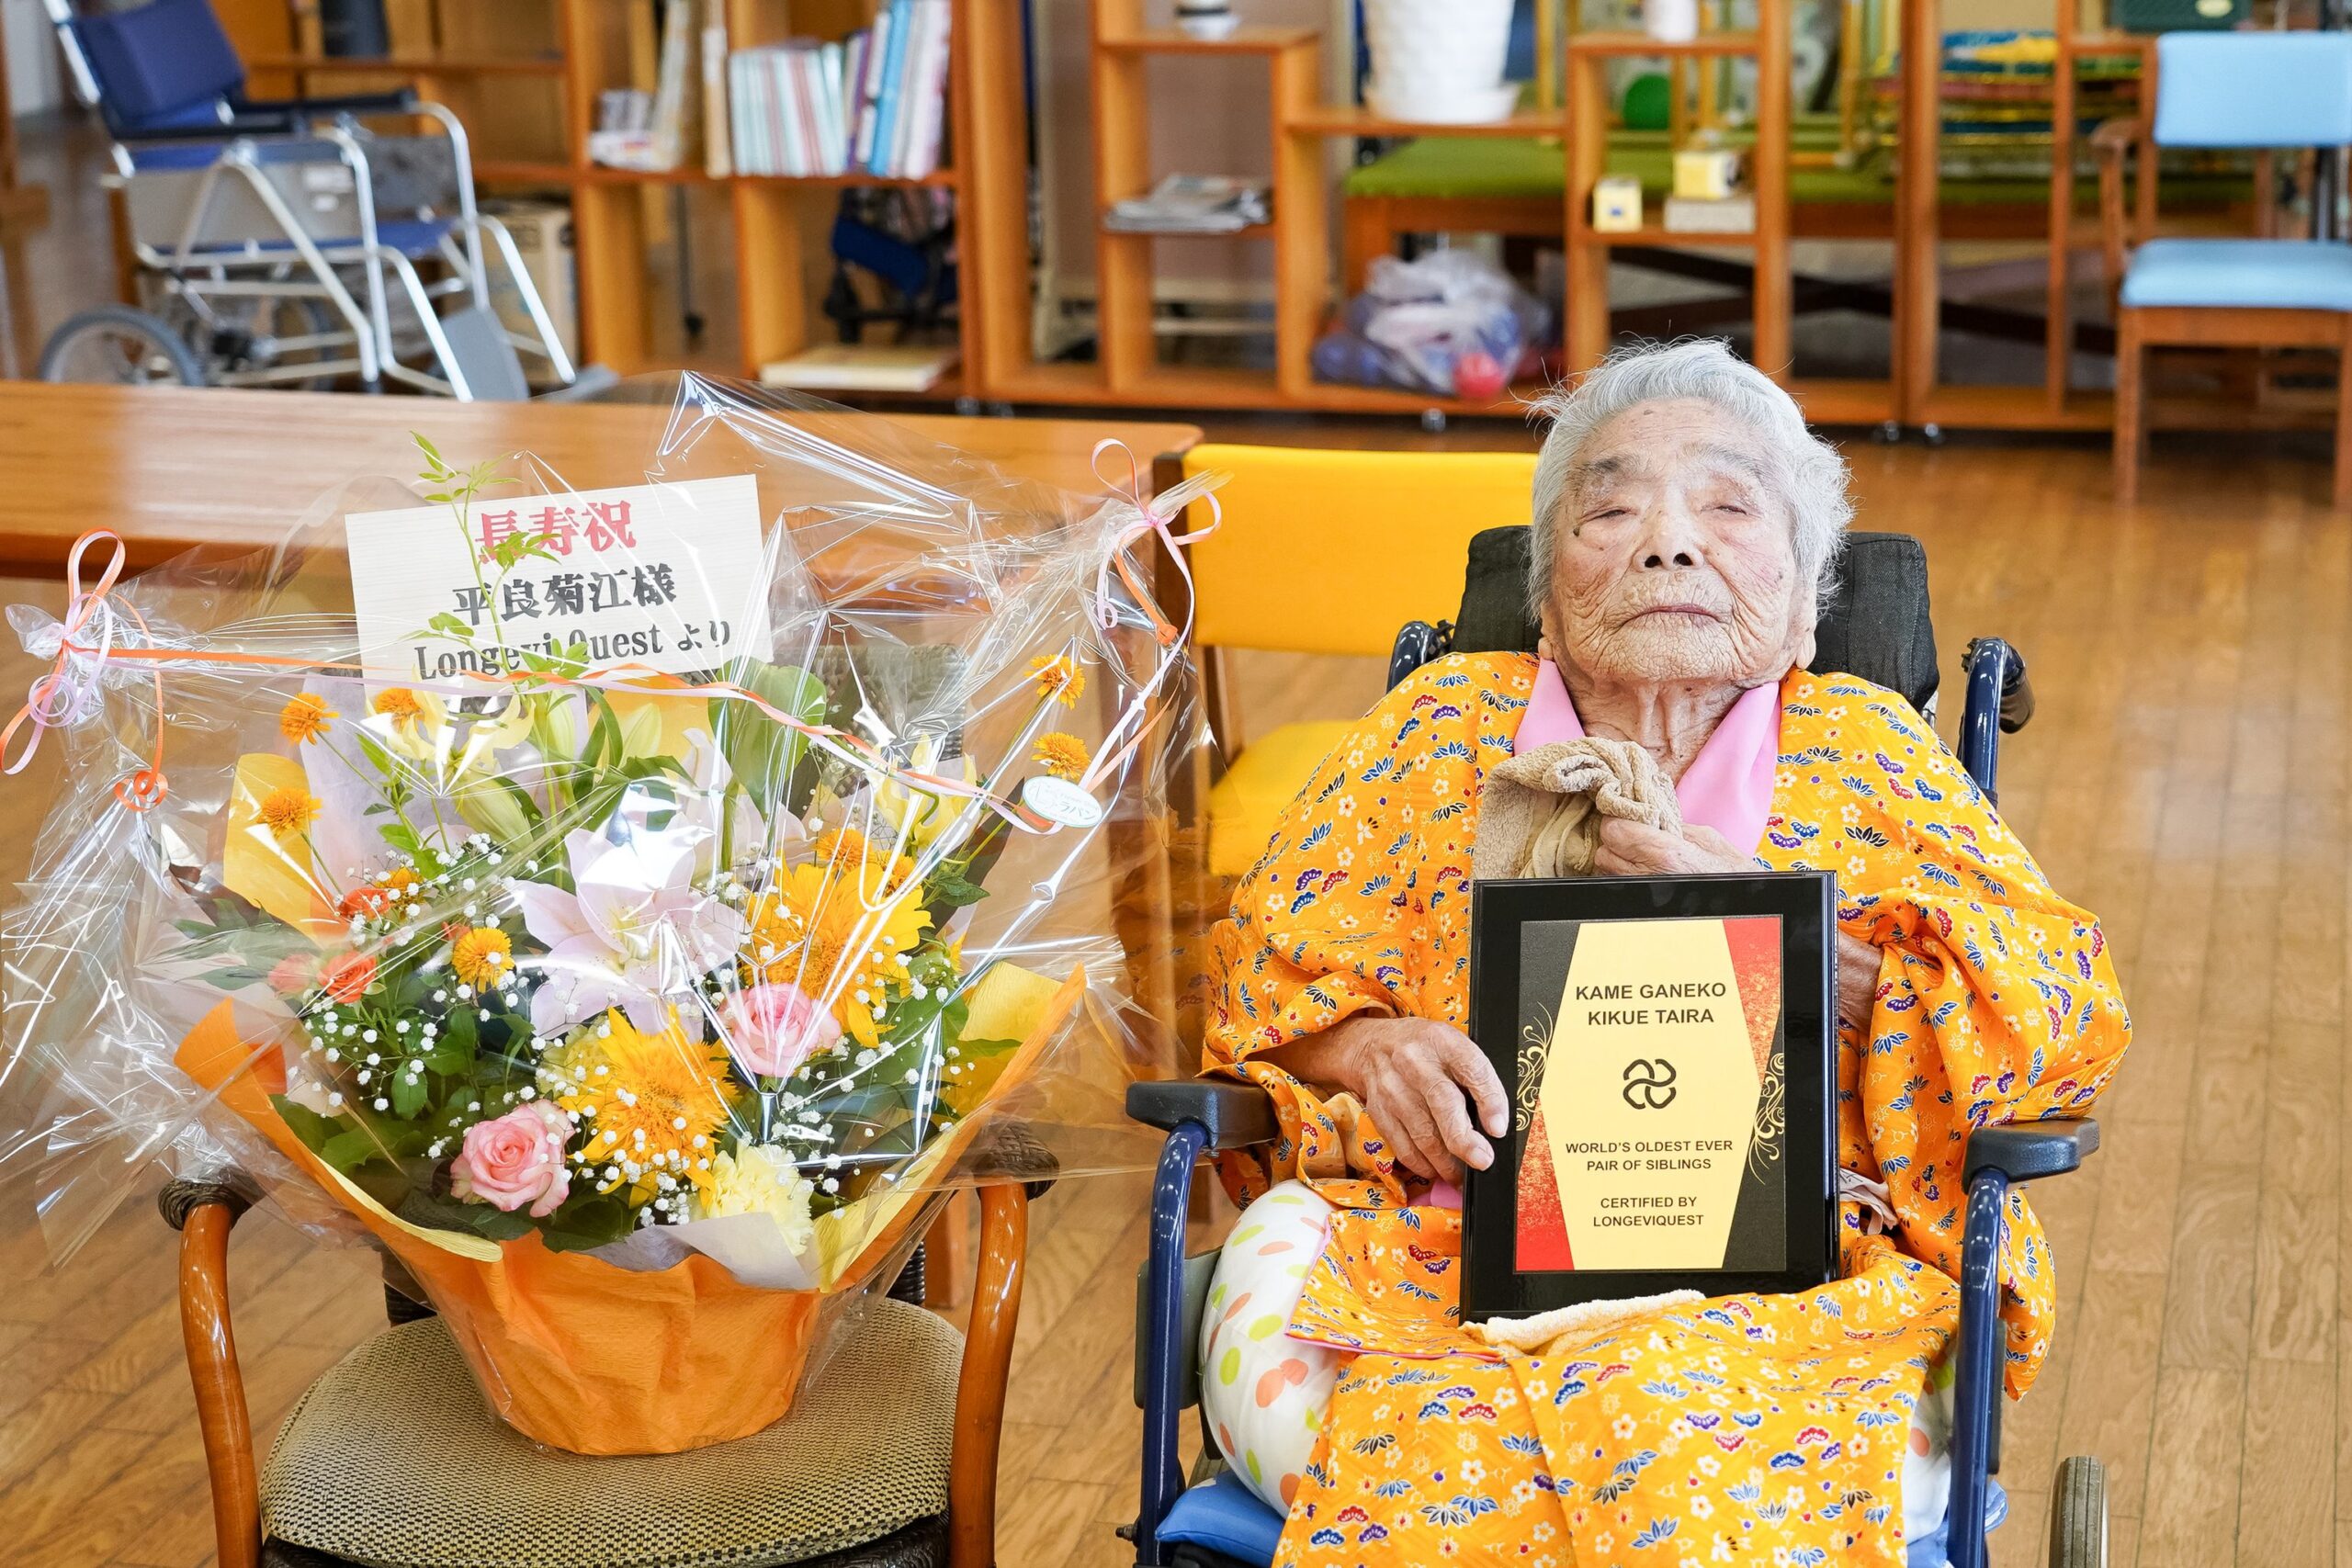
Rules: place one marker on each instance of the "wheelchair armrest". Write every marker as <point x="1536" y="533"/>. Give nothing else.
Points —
<point x="1235" y="1114"/>
<point x="2027" y="1151"/>
<point x="402" y="100"/>
<point x="260" y="120"/>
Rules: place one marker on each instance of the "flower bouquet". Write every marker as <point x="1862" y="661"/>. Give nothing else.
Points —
<point x="632" y="907"/>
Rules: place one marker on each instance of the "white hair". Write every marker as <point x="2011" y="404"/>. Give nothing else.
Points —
<point x="1806" y="471"/>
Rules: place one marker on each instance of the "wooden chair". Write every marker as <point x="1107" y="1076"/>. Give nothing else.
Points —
<point x="888" y="1460"/>
<point x="2262" y="91"/>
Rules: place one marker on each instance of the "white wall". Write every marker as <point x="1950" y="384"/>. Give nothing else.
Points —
<point x="34" y="82"/>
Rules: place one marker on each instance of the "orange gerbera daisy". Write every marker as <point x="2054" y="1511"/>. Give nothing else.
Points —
<point x="399" y="703"/>
<point x="1064" y="756"/>
<point x="482" y="955"/>
<point x="304" y="719"/>
<point x="1060" y="678"/>
<point x="288" y="811"/>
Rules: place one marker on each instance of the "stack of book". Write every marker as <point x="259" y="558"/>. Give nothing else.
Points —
<point x="1192" y="204"/>
<point x="873" y="104"/>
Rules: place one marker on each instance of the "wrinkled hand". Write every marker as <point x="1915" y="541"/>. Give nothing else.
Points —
<point x="1413" y="1075"/>
<point x="1630" y="848"/>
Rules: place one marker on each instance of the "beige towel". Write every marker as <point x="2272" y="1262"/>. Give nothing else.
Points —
<point x="1563" y="1328"/>
<point x="1542" y="811"/>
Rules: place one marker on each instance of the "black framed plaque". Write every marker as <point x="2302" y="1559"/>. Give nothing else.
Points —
<point x="1670" y="1047"/>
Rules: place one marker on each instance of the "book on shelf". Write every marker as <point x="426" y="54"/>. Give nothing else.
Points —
<point x="1734" y="214"/>
<point x="657" y="131"/>
<point x="873" y="103"/>
<point x="717" y="134"/>
<point x="863" y="367"/>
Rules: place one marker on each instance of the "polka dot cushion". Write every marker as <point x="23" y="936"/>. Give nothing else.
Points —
<point x="1264" y="1391"/>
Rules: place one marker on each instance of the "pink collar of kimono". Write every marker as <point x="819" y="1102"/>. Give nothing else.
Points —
<point x="1727" y="786"/>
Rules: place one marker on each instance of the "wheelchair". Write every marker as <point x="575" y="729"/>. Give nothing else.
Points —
<point x="1876" y="627"/>
<point x="284" y="244"/>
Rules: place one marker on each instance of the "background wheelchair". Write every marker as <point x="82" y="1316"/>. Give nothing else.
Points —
<point x="1877" y="628"/>
<point x="284" y="244"/>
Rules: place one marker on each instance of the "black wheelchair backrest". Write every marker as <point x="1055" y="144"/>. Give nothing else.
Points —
<point x="1874" y="625"/>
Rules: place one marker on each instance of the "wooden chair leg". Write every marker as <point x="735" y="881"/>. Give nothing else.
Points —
<point x="980" y="1392"/>
<point x="2130" y="416"/>
<point x="947" y="1256"/>
<point x="221" y="1411"/>
<point x="2343" y="490"/>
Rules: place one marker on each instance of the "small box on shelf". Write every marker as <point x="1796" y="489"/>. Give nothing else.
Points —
<point x="1705" y="173"/>
<point x="1617" y="205"/>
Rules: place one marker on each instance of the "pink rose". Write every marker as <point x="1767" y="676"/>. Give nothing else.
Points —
<point x="516" y="1159"/>
<point x="773" y="1029"/>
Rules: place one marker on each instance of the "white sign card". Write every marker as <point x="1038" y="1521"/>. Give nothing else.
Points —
<point x="668" y="577"/>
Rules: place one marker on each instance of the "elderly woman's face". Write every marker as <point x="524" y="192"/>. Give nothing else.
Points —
<point x="1673" y="557"/>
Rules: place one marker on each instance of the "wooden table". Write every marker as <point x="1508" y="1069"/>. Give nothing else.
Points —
<point x="171" y="468"/>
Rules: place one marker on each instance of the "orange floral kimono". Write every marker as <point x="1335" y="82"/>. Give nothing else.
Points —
<point x="1745" y="1428"/>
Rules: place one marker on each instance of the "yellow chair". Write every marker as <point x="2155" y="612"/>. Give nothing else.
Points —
<point x="1324" y="552"/>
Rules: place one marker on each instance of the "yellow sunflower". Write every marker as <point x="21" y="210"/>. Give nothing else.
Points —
<point x="649" y="1103"/>
<point x="815" y="931"/>
<point x="288" y="811"/>
<point x="1062" y="755"/>
<point x="482" y="955"/>
<point x="304" y="719"/>
<point x="1060" y="678"/>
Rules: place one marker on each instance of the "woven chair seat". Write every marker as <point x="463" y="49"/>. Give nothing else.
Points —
<point x="393" y="1461"/>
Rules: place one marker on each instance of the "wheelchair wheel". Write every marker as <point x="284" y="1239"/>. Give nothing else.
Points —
<point x="117" y="346"/>
<point x="2078" y="1514"/>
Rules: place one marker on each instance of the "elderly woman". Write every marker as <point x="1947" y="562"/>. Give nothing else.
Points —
<point x="1685" y="527"/>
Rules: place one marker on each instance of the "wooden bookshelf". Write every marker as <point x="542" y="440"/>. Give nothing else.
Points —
<point x="524" y="76"/>
<point x="1588" y="53"/>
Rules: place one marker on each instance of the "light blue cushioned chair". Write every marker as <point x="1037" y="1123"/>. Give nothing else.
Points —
<point x="2239" y="90"/>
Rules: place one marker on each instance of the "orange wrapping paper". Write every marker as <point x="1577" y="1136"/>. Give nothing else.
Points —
<point x="569" y="1349"/>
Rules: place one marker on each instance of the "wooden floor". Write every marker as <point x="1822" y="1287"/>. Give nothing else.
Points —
<point x="2187" y="778"/>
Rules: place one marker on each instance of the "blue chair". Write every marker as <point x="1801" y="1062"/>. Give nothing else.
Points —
<point x="286" y="238"/>
<point x="1877" y="628"/>
<point x="2229" y="90"/>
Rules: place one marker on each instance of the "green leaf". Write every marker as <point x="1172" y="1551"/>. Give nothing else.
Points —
<point x="605" y="748"/>
<point x="448" y="1057"/>
<point x="313" y="1129"/>
<point x="350" y="1150"/>
<point x="763" y="752"/>
<point x="460" y="1031"/>
<point x="409" y="1094"/>
<point x="586" y="1222"/>
<point x="436" y="1212"/>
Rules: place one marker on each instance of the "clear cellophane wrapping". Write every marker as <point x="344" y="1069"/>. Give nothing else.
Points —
<point x="644" y="1015"/>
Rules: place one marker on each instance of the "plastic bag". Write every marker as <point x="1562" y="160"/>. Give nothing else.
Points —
<point x="632" y="904"/>
<point x="1452" y="323"/>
